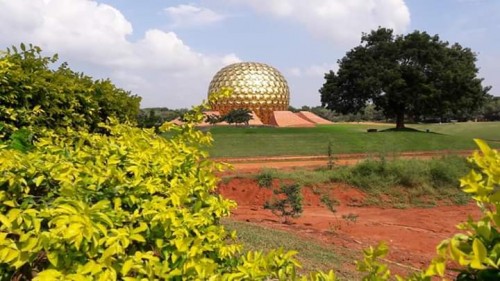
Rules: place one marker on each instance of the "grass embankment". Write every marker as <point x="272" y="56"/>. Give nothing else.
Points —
<point x="399" y="183"/>
<point x="348" y="138"/>
<point x="312" y="255"/>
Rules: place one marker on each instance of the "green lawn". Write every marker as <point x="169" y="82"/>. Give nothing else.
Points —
<point x="348" y="138"/>
<point x="483" y="130"/>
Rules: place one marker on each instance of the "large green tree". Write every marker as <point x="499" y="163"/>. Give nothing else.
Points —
<point x="36" y="93"/>
<point x="405" y="75"/>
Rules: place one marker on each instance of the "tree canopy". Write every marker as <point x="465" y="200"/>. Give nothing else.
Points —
<point x="35" y="94"/>
<point x="405" y="75"/>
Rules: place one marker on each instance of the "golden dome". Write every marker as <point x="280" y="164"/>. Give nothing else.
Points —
<point x="256" y="86"/>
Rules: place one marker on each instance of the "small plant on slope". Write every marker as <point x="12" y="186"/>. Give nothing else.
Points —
<point x="331" y="158"/>
<point x="288" y="202"/>
<point x="265" y="178"/>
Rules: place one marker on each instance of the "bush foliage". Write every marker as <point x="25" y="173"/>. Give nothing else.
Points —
<point x="35" y="95"/>
<point x="124" y="205"/>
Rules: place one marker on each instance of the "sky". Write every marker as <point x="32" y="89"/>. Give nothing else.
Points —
<point x="168" y="51"/>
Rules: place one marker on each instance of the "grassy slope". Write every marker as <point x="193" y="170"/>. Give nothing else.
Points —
<point x="347" y="138"/>
<point x="312" y="255"/>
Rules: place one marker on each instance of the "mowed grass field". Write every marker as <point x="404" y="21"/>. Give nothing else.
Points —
<point x="232" y="141"/>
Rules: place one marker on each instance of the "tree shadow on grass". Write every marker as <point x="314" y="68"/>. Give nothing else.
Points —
<point x="411" y="130"/>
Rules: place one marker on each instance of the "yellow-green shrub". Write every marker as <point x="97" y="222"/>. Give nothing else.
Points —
<point x="125" y="205"/>
<point x="34" y="94"/>
<point x="477" y="248"/>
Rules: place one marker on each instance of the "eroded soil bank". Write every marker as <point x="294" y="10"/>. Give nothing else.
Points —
<point x="412" y="233"/>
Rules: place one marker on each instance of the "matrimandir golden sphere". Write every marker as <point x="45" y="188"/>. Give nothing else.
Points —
<point x="256" y="86"/>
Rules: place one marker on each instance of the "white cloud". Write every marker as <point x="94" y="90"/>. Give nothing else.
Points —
<point x="160" y="67"/>
<point x="294" y="71"/>
<point x="339" y="21"/>
<point x="320" y="69"/>
<point x="191" y="15"/>
<point x="315" y="70"/>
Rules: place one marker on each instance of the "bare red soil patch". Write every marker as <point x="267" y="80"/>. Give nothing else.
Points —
<point x="412" y="233"/>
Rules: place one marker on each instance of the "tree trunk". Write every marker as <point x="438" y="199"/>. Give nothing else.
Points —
<point x="400" y="120"/>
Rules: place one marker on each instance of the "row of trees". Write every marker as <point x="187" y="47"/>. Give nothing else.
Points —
<point x="154" y="117"/>
<point x="489" y="111"/>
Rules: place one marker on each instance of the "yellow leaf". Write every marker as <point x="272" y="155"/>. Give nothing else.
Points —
<point x="53" y="258"/>
<point x="137" y="237"/>
<point x="11" y="255"/>
<point x="142" y="227"/>
<point x="30" y="244"/>
<point x="39" y="180"/>
<point x="440" y="268"/>
<point x="48" y="275"/>
<point x="13" y="214"/>
<point x="479" y="254"/>
<point x="127" y="266"/>
<point x="10" y="203"/>
<point x="5" y="221"/>
<point x="483" y="146"/>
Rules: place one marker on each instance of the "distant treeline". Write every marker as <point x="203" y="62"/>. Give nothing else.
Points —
<point x="151" y="117"/>
<point x="155" y="116"/>
<point x="490" y="111"/>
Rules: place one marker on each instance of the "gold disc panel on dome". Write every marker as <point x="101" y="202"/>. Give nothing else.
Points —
<point x="256" y="86"/>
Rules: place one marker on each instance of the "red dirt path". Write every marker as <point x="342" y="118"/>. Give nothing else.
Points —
<point x="412" y="234"/>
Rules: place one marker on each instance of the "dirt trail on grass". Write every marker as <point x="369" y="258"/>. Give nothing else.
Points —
<point x="255" y="164"/>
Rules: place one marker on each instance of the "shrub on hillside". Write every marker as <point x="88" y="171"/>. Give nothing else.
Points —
<point x="34" y="94"/>
<point x="287" y="203"/>
<point x="265" y="178"/>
